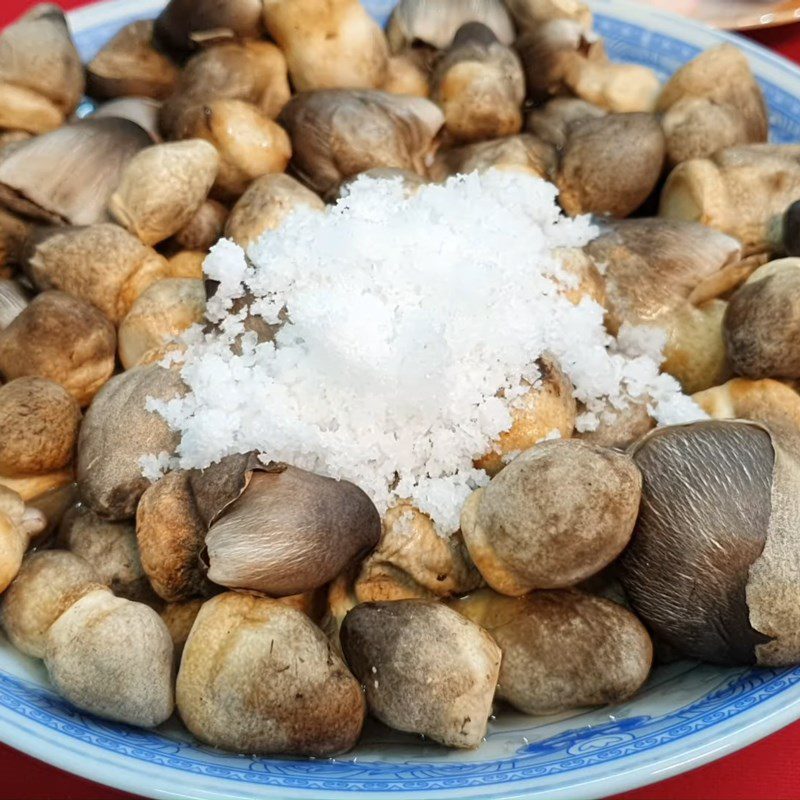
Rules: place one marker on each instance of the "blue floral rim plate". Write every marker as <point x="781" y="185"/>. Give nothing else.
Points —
<point x="688" y="714"/>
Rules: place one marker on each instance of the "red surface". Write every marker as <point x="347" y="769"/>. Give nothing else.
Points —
<point x="768" y="770"/>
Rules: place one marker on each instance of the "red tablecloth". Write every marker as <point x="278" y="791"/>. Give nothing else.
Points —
<point x="768" y="770"/>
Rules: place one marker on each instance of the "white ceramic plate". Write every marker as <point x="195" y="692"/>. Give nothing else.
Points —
<point x="688" y="714"/>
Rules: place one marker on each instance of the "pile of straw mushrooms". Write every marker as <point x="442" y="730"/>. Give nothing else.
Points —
<point x="272" y="608"/>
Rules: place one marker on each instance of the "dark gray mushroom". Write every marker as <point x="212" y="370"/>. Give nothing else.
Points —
<point x="185" y="24"/>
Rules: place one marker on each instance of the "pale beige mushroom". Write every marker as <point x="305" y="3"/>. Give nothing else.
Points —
<point x="63" y="339"/>
<point x="547" y="408"/>
<point x="767" y="401"/>
<point x="562" y="650"/>
<point x="113" y="658"/>
<point x="328" y="44"/>
<point x="163" y="187"/>
<point x="19" y="524"/>
<point x="203" y="230"/>
<point x="556" y="515"/>
<point x="102" y="264"/>
<point x="41" y="76"/>
<point x="117" y="432"/>
<point x="260" y="677"/>
<point x="129" y="64"/>
<point x="186" y="24"/>
<point x="186" y="264"/>
<point x="407" y="73"/>
<point x="425" y="669"/>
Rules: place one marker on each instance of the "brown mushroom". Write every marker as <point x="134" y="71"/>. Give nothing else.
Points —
<point x="551" y="122"/>
<point x="187" y="264"/>
<point x="62" y="339"/>
<point x="767" y="401"/>
<point x="425" y="668"/>
<point x="19" y="524"/>
<point x="204" y="229"/>
<point x="553" y="517"/>
<point x="621" y="427"/>
<point x="179" y="619"/>
<point x="260" y="677"/>
<point x="528" y="14"/>
<point x="407" y="73"/>
<point x="13" y="233"/>
<point x="185" y="24"/>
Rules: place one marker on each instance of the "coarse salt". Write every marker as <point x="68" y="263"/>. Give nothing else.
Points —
<point x="410" y="324"/>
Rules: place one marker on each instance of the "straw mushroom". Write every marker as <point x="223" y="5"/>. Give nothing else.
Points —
<point x="556" y="515"/>
<point x="435" y="22"/>
<point x="130" y="65"/>
<point x="771" y="402"/>
<point x="47" y="584"/>
<point x="551" y="122"/>
<point x="413" y="560"/>
<point x="160" y="313"/>
<point x="280" y="530"/>
<point x="185" y="24"/>
<point x="187" y="264"/>
<point x="528" y="14"/>
<point x="13" y="233"/>
<point x="117" y="432"/>
<point x="610" y="164"/>
<point x="41" y="75"/>
<point x="479" y="85"/>
<point x="179" y="619"/>
<point x="260" y="677"/>
<point x="113" y="658"/>
<point x="425" y="669"/>
<point x="763" y="321"/>
<point x="329" y="44"/>
<point x="545" y="407"/>
<point x="102" y="264"/>
<point x="66" y="176"/>
<point x="621" y="427"/>
<point x="407" y="73"/>
<point x="266" y="203"/>
<point x="163" y="187"/>
<point x="62" y="339"/>
<point x="18" y="525"/>
<point x="204" y="229"/>
<point x="13" y="301"/>
<point x="715" y="580"/>
<point x="742" y="191"/>
<point x="711" y="103"/>
<point x="171" y="538"/>
<point x="143" y="111"/>
<point x="338" y="133"/>
<point x="40" y="421"/>
<point x="562" y="650"/>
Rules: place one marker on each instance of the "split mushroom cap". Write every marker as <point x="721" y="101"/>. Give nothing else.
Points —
<point x="47" y="584"/>
<point x="408" y="73"/>
<point x="18" y="525"/>
<point x="66" y="176"/>
<point x="413" y="560"/>
<point x="113" y="658"/>
<point x="179" y="619"/>
<point x="130" y="64"/>
<point x="610" y="164"/>
<point x="117" y="432"/>
<point x="425" y="668"/>
<point x="161" y="312"/>
<point x="39" y="63"/>
<point x="556" y="515"/>
<point x="102" y="264"/>
<point x="171" y="538"/>
<point x="762" y="322"/>
<point x="163" y="187"/>
<point x="204" y="229"/>
<point x="771" y="402"/>
<point x="480" y="86"/>
<point x="329" y="44"/>
<point x="713" y="565"/>
<point x="435" y="22"/>
<point x="186" y="24"/>
<point x="143" y="111"/>
<point x="523" y="153"/>
<point x="266" y="203"/>
<point x="551" y="122"/>
<point x="528" y="14"/>
<point x="63" y="339"/>
<point x="711" y="103"/>
<point x="742" y="191"/>
<point x="338" y="133"/>
<point x="110" y="547"/>
<point x="39" y="420"/>
<point x="547" y="406"/>
<point x="562" y="650"/>
<point x="260" y="677"/>
<point x="281" y="530"/>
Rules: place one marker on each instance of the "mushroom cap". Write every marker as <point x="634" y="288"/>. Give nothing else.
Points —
<point x="63" y="339"/>
<point x="179" y="619"/>
<point x="18" y="525"/>
<point x="47" y="584"/>
<point x="562" y="649"/>
<point x="553" y="517"/>
<point x="13" y="233"/>
<point x="112" y="657"/>
<point x="425" y="668"/>
<point x="767" y="401"/>
<point x="529" y="14"/>
<point x="40" y="422"/>
<point x="610" y="164"/>
<point x="619" y="428"/>
<point x="260" y="677"/>
<point x="281" y="530"/>
<point x="141" y="110"/>
<point x="621" y="88"/>
<point x="551" y="122"/>
<point x="171" y="537"/>
<point x="204" y="229"/>
<point x="185" y="24"/>
<point x="407" y="73"/>
<point x="187" y="264"/>
<point x="117" y="432"/>
<point x="27" y="110"/>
